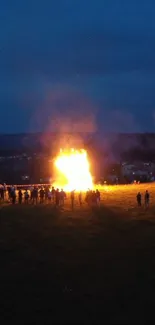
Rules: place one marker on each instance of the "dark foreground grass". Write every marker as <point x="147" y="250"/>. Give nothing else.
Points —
<point x="87" y="266"/>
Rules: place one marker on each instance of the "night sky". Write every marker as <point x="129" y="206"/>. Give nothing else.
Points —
<point x="79" y="65"/>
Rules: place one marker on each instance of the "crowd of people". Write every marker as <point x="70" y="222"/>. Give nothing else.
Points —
<point x="56" y="196"/>
<point x="46" y="194"/>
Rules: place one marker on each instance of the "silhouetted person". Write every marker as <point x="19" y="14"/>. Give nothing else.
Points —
<point x="13" y="196"/>
<point x="26" y="196"/>
<point x="35" y="195"/>
<point x="62" y="197"/>
<point x="139" y="199"/>
<point x="80" y="198"/>
<point x="88" y="198"/>
<point x="49" y="196"/>
<point x="57" y="197"/>
<point x="2" y="193"/>
<point x="98" y="196"/>
<point x="94" y="198"/>
<point x="147" y="199"/>
<point x="53" y="194"/>
<point x="32" y="193"/>
<point x="9" y="193"/>
<point x="46" y="193"/>
<point x="72" y="199"/>
<point x="42" y="193"/>
<point x="5" y="190"/>
<point x="20" y="196"/>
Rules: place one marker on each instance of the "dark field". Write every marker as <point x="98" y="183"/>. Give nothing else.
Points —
<point x="87" y="266"/>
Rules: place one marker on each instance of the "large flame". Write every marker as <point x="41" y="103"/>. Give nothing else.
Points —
<point x="73" y="170"/>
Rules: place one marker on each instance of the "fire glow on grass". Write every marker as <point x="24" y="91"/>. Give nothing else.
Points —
<point x="73" y="170"/>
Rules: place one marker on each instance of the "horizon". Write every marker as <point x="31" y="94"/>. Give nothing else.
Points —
<point x="91" y="133"/>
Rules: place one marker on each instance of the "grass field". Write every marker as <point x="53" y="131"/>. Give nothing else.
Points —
<point x="94" y="266"/>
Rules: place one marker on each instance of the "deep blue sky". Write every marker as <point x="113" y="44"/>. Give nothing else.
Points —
<point x="82" y="63"/>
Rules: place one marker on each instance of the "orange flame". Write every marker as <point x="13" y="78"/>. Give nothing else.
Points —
<point x="74" y="170"/>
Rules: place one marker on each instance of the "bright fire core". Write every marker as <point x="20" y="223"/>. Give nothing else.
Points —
<point x="74" y="171"/>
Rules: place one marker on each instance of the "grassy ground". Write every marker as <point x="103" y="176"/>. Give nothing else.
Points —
<point x="91" y="266"/>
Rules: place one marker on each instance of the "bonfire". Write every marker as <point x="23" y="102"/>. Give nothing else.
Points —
<point x="73" y="170"/>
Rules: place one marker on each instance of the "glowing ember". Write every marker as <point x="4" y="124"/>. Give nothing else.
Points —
<point x="73" y="167"/>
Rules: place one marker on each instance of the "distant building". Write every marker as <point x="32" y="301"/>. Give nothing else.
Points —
<point x="140" y="170"/>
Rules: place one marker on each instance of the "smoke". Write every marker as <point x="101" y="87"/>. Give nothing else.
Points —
<point x="66" y="110"/>
<point x="68" y="118"/>
<point x="67" y="114"/>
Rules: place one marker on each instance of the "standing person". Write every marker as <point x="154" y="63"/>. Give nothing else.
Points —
<point x="94" y="198"/>
<point x="20" y="196"/>
<point x="9" y="193"/>
<point x="5" y="191"/>
<point x="46" y="190"/>
<point x="88" y="196"/>
<point x="31" y="193"/>
<point x="80" y="198"/>
<point x="41" y="193"/>
<point x="49" y="196"/>
<point x="35" y="195"/>
<point x="57" y="197"/>
<point x="2" y="192"/>
<point x="26" y="196"/>
<point x="139" y="199"/>
<point x="62" y="197"/>
<point x="72" y="199"/>
<point x="12" y="188"/>
<point x="98" y="197"/>
<point x="13" y="196"/>
<point x="53" y="194"/>
<point x="147" y="199"/>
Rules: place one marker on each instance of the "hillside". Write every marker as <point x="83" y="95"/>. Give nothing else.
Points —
<point x="109" y="143"/>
